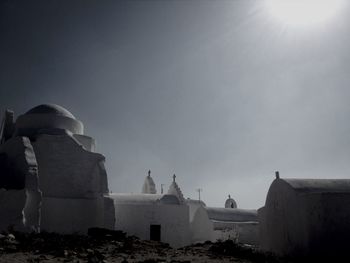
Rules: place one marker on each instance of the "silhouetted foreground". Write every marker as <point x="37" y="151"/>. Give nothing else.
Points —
<point x="114" y="246"/>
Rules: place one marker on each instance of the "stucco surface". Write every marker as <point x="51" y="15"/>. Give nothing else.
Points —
<point x="221" y="223"/>
<point x="149" y="186"/>
<point x="146" y="199"/>
<point x="24" y="175"/>
<point x="49" y="160"/>
<point x="22" y="159"/>
<point x="306" y="217"/>
<point x="11" y="206"/>
<point x="202" y="228"/>
<point x="193" y="206"/>
<point x="87" y="142"/>
<point x="68" y="215"/>
<point x="136" y="217"/>
<point x="67" y="170"/>
<point x="232" y="214"/>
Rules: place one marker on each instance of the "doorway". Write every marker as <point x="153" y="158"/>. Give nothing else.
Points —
<point x="155" y="232"/>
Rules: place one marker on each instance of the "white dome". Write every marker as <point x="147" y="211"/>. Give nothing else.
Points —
<point x="52" y="109"/>
<point x="47" y="117"/>
<point x="230" y="203"/>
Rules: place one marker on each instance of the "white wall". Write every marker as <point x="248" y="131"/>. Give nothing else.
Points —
<point x="22" y="157"/>
<point x="67" y="190"/>
<point x="202" y="228"/>
<point x="282" y="221"/>
<point x="193" y="206"/>
<point x="11" y="206"/>
<point x="328" y="217"/>
<point x="240" y="232"/>
<point x="71" y="215"/>
<point x="67" y="170"/>
<point x="308" y="222"/>
<point x="205" y="229"/>
<point x="225" y="234"/>
<point x="73" y="182"/>
<point x="135" y="219"/>
<point x="88" y="142"/>
<point x="248" y="232"/>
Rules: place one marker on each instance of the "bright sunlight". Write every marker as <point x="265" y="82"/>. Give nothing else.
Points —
<point x="304" y="12"/>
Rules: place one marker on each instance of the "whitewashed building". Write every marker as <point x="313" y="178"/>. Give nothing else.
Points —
<point x="306" y="217"/>
<point x="161" y="217"/>
<point x="215" y="223"/>
<point x="52" y="169"/>
<point x="52" y="179"/>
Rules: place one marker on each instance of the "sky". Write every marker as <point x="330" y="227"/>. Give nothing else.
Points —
<point x="221" y="93"/>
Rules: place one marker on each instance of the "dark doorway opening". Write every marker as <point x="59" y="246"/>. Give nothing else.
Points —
<point x="154" y="232"/>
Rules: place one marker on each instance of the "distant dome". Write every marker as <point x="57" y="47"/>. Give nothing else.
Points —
<point x="51" y="109"/>
<point x="230" y="203"/>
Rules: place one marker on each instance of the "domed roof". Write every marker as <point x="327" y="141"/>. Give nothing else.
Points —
<point x="230" y="203"/>
<point x="51" y="109"/>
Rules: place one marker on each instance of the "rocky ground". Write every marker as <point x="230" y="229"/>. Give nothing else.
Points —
<point x="114" y="246"/>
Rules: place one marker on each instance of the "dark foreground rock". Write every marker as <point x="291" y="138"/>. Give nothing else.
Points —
<point x="103" y="245"/>
<point x="100" y="245"/>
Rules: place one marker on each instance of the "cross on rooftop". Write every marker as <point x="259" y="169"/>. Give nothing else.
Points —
<point x="199" y="190"/>
<point x="174" y="176"/>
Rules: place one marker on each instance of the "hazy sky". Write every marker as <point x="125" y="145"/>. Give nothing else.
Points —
<point x="219" y="92"/>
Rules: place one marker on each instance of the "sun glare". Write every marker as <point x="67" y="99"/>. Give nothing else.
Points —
<point x="304" y="12"/>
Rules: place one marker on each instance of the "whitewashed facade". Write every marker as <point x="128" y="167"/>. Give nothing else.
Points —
<point x="304" y="217"/>
<point x="46" y="156"/>
<point x="153" y="217"/>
